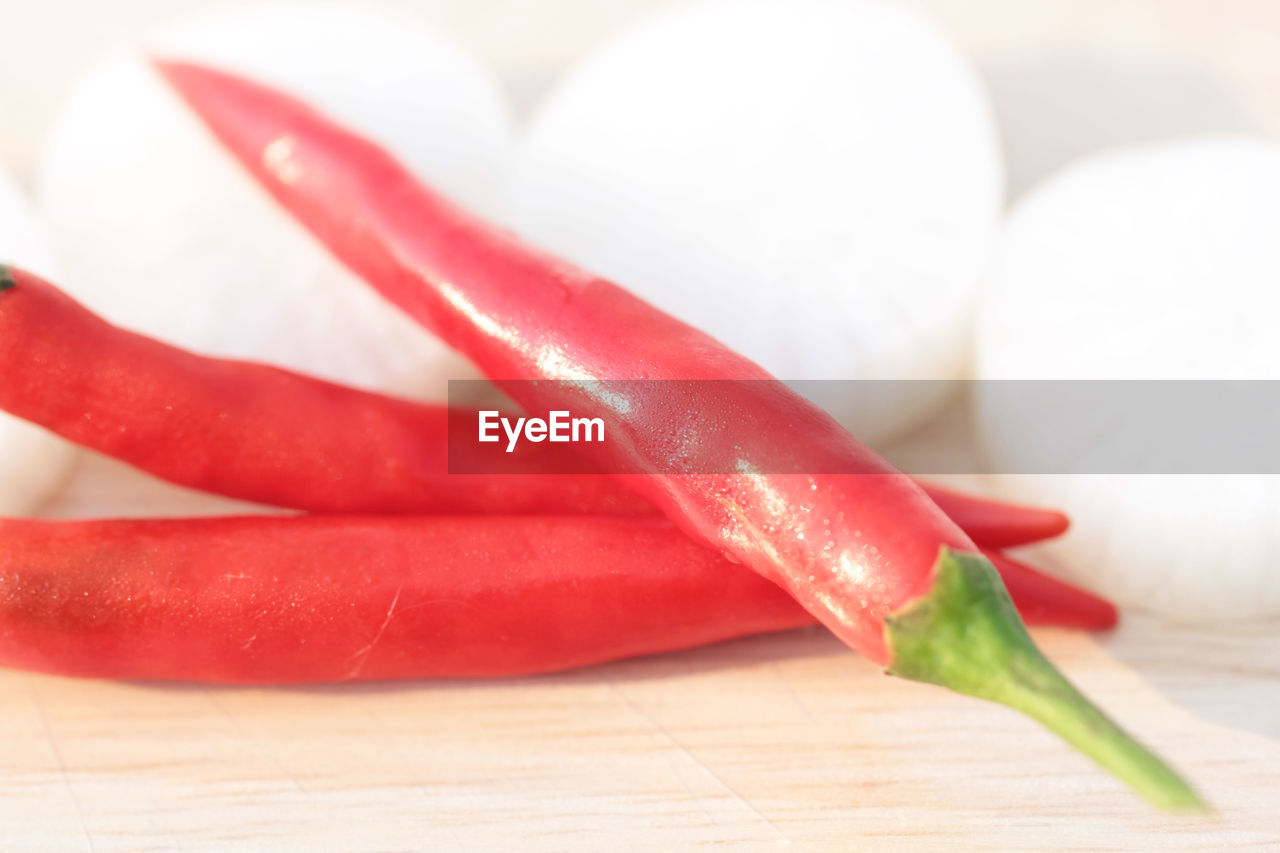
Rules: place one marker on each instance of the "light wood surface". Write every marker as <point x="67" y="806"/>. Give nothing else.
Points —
<point x="766" y="743"/>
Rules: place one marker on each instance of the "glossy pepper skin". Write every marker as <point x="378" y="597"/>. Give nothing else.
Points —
<point x="274" y="600"/>
<point x="263" y="434"/>
<point x="863" y="550"/>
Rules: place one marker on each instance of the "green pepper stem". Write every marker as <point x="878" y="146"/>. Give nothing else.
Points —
<point x="6" y="278"/>
<point x="966" y="635"/>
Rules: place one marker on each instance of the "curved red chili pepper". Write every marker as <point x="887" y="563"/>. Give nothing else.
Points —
<point x="866" y="551"/>
<point x="277" y="600"/>
<point x="275" y="437"/>
<point x="251" y="431"/>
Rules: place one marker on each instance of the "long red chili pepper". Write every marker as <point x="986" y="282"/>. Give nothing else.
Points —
<point x="268" y="435"/>
<point x="866" y="551"/>
<point x="997" y="524"/>
<point x="247" y="430"/>
<point x="331" y="598"/>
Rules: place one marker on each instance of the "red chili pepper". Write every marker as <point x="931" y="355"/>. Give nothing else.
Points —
<point x="247" y="430"/>
<point x="332" y="598"/>
<point x="262" y="434"/>
<point x="997" y="524"/>
<point x="866" y="552"/>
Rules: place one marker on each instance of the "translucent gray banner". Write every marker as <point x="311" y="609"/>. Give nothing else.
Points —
<point x="1143" y="427"/>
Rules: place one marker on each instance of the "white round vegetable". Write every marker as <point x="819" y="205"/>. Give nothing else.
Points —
<point x="33" y="462"/>
<point x="814" y="182"/>
<point x="162" y="232"/>
<point x="1153" y="263"/>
